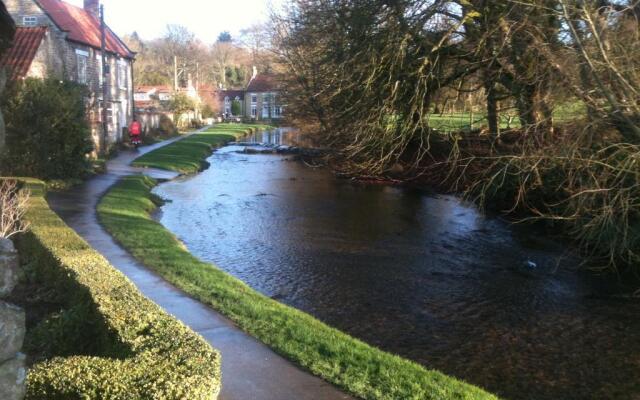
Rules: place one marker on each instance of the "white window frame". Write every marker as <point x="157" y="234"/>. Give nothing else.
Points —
<point x="30" y="20"/>
<point x="265" y="110"/>
<point x="100" y="69"/>
<point x="254" y="98"/>
<point x="277" y="111"/>
<point x="82" y="63"/>
<point x="123" y="74"/>
<point x="254" y="111"/>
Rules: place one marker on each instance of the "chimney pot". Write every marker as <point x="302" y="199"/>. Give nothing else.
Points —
<point x="92" y="7"/>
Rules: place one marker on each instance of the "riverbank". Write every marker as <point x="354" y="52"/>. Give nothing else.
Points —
<point x="340" y="359"/>
<point x="188" y="155"/>
<point x="363" y="370"/>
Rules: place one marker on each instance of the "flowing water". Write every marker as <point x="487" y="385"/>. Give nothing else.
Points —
<point x="420" y="275"/>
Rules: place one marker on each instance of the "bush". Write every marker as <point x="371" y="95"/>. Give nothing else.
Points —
<point x="236" y="108"/>
<point x="167" y="127"/>
<point x="47" y="131"/>
<point x="207" y="111"/>
<point x="125" y="346"/>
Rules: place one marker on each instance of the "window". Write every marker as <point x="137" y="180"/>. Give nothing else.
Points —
<point x="265" y="111"/>
<point x="82" y="58"/>
<point x="226" y="100"/>
<point x="30" y="20"/>
<point x="109" y="111"/>
<point x="254" y="111"/>
<point x="122" y="75"/>
<point x="277" y="111"/>
<point x="100" y="71"/>
<point x="254" y="98"/>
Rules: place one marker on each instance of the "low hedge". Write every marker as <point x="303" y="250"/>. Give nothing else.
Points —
<point x="110" y="341"/>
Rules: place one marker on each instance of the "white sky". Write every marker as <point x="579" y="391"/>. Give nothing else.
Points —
<point x="206" y="18"/>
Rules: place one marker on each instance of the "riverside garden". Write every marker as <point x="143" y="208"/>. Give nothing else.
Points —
<point x="466" y="226"/>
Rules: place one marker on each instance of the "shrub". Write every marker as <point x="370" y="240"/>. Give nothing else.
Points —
<point x="167" y="127"/>
<point x="126" y="347"/>
<point x="180" y="104"/>
<point x="236" y="108"/>
<point x="47" y="131"/>
<point x="207" y="111"/>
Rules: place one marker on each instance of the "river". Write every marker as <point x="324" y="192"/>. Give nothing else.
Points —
<point x="421" y="275"/>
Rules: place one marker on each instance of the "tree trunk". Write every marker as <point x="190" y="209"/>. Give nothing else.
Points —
<point x="492" y="107"/>
<point x="3" y="80"/>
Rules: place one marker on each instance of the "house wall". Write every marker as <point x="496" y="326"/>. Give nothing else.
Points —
<point x="259" y="104"/>
<point x="58" y="57"/>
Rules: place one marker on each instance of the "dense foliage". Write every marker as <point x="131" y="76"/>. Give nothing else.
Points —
<point x="48" y="135"/>
<point x="108" y="341"/>
<point x="373" y="77"/>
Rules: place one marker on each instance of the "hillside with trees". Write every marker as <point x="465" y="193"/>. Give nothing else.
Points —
<point x="225" y="63"/>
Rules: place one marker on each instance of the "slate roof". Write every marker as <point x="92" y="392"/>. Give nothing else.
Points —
<point x="83" y="27"/>
<point x="262" y="83"/>
<point x="19" y="57"/>
<point x="232" y="94"/>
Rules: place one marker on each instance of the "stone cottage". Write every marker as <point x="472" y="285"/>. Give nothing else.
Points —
<point x="57" y="39"/>
<point x="261" y="101"/>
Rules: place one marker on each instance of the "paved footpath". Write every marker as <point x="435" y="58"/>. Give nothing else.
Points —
<point x="250" y="370"/>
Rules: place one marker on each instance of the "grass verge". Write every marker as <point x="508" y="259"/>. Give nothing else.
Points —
<point x="107" y="341"/>
<point x="351" y="364"/>
<point x="187" y="155"/>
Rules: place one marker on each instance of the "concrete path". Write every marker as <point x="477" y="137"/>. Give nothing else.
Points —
<point x="250" y="370"/>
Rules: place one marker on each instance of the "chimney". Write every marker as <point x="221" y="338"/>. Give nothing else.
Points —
<point x="92" y="7"/>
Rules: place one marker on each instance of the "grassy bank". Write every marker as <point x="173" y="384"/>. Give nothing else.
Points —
<point x="360" y="369"/>
<point x="188" y="155"/>
<point x="100" y="337"/>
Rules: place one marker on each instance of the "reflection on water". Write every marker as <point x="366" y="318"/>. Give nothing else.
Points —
<point x="423" y="276"/>
<point x="279" y="137"/>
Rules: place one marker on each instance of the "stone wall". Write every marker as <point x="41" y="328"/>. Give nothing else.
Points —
<point x="12" y="328"/>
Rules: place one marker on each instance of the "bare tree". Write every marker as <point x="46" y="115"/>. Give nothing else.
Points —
<point x="13" y="206"/>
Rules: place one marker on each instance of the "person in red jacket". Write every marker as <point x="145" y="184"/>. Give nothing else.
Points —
<point x="135" y="130"/>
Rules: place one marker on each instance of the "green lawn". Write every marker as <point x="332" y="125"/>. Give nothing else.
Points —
<point x="356" y="367"/>
<point x="188" y="155"/>
<point x="463" y="120"/>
